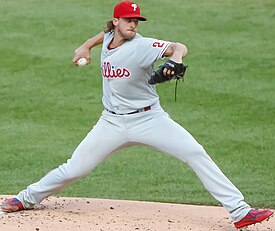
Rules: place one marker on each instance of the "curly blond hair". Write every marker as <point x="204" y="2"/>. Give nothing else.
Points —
<point x="109" y="27"/>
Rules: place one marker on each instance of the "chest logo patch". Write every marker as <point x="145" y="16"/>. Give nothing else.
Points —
<point x="109" y="71"/>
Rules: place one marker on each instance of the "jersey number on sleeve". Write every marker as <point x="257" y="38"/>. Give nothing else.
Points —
<point x="158" y="44"/>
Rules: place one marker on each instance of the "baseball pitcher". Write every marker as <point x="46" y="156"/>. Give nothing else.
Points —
<point x="133" y="116"/>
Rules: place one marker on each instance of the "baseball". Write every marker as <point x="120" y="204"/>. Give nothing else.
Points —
<point x="82" y="62"/>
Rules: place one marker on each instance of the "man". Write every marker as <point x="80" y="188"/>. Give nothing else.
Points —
<point x="133" y="115"/>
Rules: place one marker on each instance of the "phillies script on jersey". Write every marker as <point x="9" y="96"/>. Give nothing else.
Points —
<point x="109" y="71"/>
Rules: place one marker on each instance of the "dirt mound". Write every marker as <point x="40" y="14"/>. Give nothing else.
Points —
<point x="83" y="214"/>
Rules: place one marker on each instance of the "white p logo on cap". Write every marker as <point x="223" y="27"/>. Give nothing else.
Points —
<point x="134" y="6"/>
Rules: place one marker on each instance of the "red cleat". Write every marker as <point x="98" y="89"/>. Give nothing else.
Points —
<point x="254" y="216"/>
<point x="11" y="205"/>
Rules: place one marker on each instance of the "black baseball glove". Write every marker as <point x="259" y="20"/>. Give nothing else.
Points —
<point x="177" y="71"/>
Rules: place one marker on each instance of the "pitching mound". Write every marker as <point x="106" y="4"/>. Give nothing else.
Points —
<point x="83" y="214"/>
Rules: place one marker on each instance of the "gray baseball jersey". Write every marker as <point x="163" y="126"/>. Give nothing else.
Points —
<point x="120" y="83"/>
<point x="125" y="72"/>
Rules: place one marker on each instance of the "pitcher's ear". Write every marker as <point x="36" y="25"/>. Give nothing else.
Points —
<point x="115" y="21"/>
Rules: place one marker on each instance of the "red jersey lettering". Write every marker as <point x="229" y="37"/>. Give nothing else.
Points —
<point x="109" y="71"/>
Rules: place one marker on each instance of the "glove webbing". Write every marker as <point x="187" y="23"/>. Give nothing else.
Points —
<point x="176" y="87"/>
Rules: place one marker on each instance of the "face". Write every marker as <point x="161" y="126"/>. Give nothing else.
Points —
<point x="126" y="27"/>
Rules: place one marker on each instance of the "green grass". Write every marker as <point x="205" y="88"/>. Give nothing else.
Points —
<point x="227" y="100"/>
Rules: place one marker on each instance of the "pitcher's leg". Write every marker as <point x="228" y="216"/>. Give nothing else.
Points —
<point x="168" y="136"/>
<point x="96" y="146"/>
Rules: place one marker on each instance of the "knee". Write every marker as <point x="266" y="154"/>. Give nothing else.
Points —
<point x="195" y="153"/>
<point x="198" y="157"/>
<point x="71" y="173"/>
<point x="198" y="150"/>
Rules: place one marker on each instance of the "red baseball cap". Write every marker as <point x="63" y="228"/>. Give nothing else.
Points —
<point x="127" y="9"/>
